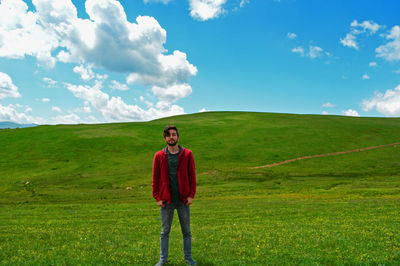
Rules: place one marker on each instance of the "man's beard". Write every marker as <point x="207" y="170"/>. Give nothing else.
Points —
<point x="172" y="144"/>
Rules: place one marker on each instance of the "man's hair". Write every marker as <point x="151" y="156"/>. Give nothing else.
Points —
<point x="167" y="128"/>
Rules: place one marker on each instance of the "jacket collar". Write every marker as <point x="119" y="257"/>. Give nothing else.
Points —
<point x="166" y="147"/>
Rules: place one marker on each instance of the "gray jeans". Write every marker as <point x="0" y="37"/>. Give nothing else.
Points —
<point x="167" y="213"/>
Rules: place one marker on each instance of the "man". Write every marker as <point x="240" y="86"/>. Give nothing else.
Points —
<point x="174" y="187"/>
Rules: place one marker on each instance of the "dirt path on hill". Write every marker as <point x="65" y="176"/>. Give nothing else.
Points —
<point x="324" y="155"/>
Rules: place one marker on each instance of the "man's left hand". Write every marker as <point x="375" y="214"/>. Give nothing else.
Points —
<point x="189" y="201"/>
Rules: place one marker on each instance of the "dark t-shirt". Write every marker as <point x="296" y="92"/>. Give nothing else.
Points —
<point x="173" y="178"/>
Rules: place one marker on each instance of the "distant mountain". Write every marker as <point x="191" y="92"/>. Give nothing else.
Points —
<point x="7" y="124"/>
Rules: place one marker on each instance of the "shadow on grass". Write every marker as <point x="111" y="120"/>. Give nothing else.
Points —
<point x="200" y="262"/>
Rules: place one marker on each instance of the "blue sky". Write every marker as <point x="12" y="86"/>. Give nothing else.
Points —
<point x="102" y="61"/>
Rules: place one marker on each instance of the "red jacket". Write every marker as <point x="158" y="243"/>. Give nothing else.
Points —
<point x="186" y="176"/>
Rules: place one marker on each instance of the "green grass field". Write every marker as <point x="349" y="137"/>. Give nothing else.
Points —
<point x="75" y="210"/>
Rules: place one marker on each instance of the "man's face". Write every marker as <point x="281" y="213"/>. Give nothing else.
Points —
<point x="172" y="138"/>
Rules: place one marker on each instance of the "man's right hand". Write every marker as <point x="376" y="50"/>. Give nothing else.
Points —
<point x="161" y="203"/>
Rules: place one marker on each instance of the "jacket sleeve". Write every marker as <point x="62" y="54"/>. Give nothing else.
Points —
<point x="156" y="177"/>
<point x="192" y="176"/>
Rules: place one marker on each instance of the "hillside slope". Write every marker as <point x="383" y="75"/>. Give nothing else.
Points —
<point x="85" y="162"/>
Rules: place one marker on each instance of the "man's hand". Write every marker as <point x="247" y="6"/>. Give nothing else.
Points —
<point x="161" y="203"/>
<point x="189" y="201"/>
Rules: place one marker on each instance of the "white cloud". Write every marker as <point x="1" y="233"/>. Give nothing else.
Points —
<point x="92" y="119"/>
<point x="365" y="76"/>
<point x="328" y="105"/>
<point x="72" y="118"/>
<point x="106" y="40"/>
<point x="56" y="109"/>
<point x="7" y="87"/>
<point x="67" y="119"/>
<point x="368" y="26"/>
<point x="175" y="69"/>
<point x="23" y="33"/>
<point x="149" y="104"/>
<point x="291" y="35"/>
<point x="114" y="109"/>
<point x="349" y="41"/>
<point x="313" y="51"/>
<point x="172" y="93"/>
<point x="53" y="33"/>
<point x="325" y="113"/>
<point x="350" y="112"/>
<point x="391" y="50"/>
<point x="373" y="64"/>
<point x="111" y="109"/>
<point x="50" y="82"/>
<point x="17" y="105"/>
<point x="299" y="50"/>
<point x="101" y="77"/>
<point x="10" y="113"/>
<point x="28" y="109"/>
<point x="86" y="73"/>
<point x="203" y="110"/>
<point x="83" y="109"/>
<point x="206" y="9"/>
<point x="45" y="100"/>
<point x="387" y="103"/>
<point x="135" y="48"/>
<point x="115" y="85"/>
<point x="244" y="2"/>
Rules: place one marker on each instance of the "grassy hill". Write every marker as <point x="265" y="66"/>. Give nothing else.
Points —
<point x="329" y="210"/>
<point x="87" y="158"/>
